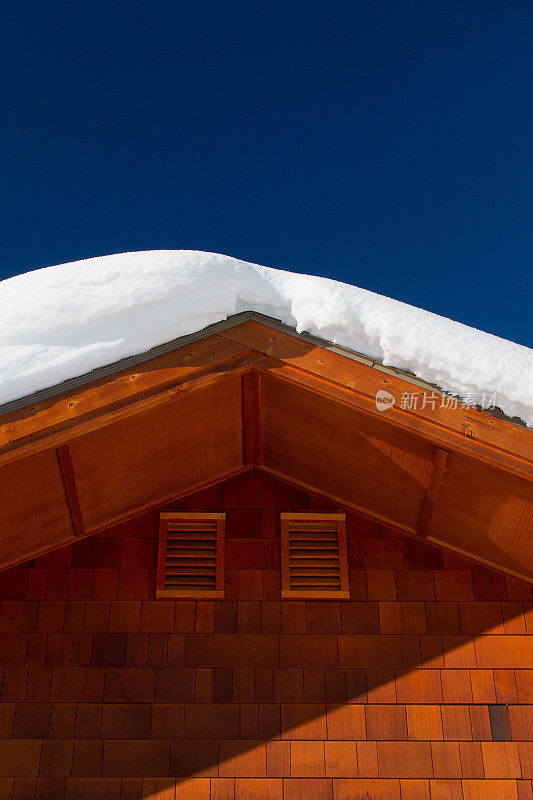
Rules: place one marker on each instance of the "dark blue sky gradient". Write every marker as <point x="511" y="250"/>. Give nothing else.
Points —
<point x="385" y="144"/>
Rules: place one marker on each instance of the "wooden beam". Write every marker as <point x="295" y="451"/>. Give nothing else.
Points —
<point x="51" y="422"/>
<point x="251" y="419"/>
<point x="54" y="437"/>
<point x="468" y="429"/>
<point x="413" y="534"/>
<point x="432" y="492"/>
<point x="340" y="501"/>
<point x="71" y="490"/>
<point x="424" y="427"/>
<point x="141" y="380"/>
<point x="115" y="520"/>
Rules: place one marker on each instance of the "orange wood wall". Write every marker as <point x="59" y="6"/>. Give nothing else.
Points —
<point x="418" y="688"/>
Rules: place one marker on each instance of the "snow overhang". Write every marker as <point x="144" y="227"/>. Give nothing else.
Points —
<point x="217" y="327"/>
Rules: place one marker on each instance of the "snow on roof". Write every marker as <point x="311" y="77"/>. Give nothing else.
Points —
<point x="61" y="322"/>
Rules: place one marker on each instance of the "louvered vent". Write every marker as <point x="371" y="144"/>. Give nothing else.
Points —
<point x="314" y="560"/>
<point x="191" y="555"/>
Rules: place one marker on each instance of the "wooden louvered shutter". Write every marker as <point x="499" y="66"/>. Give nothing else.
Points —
<point x="191" y="555"/>
<point x="314" y="561"/>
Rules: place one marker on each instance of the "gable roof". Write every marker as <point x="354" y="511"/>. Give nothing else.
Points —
<point x="251" y="393"/>
<point x="60" y="322"/>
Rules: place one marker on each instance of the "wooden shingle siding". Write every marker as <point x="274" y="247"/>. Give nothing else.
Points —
<point x="420" y="687"/>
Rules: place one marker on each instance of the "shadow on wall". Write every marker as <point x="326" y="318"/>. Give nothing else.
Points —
<point x="421" y="677"/>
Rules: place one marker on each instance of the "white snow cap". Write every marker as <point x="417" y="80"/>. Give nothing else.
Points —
<point x="61" y="322"/>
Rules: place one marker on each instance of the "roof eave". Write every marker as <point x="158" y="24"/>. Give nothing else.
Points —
<point x="217" y="327"/>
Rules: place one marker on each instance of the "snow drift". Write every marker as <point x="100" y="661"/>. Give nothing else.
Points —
<point x="63" y="321"/>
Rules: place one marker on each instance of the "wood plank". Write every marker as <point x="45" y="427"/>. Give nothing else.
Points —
<point x="318" y="594"/>
<point x="221" y="556"/>
<point x="276" y="473"/>
<point x="169" y="499"/>
<point x="66" y="431"/>
<point x="193" y="516"/>
<point x="251" y="418"/>
<point x="460" y="437"/>
<point x="343" y="558"/>
<point x="413" y="532"/>
<point x="468" y="430"/>
<point x="33" y="507"/>
<point x="161" y="450"/>
<point x="493" y="565"/>
<point x="197" y="594"/>
<point x="153" y="375"/>
<point x="432" y="491"/>
<point x="161" y="553"/>
<point x="285" y="564"/>
<point x="366" y="380"/>
<point x="71" y="489"/>
<point x="485" y="512"/>
<point x="117" y="519"/>
<point x="372" y="464"/>
<point x="308" y="516"/>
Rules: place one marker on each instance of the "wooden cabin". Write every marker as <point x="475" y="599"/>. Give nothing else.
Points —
<point x="230" y="574"/>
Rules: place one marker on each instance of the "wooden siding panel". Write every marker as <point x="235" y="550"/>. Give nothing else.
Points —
<point x="191" y="440"/>
<point x="260" y="697"/>
<point x="347" y="454"/>
<point x="363" y="382"/>
<point x="34" y="512"/>
<point x="487" y="513"/>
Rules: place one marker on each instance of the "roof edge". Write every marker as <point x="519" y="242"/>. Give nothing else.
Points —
<point x="216" y="327"/>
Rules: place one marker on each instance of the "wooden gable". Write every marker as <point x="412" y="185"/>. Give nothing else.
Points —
<point x="251" y="394"/>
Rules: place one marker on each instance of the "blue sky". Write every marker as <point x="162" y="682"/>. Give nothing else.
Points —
<point x="389" y="145"/>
